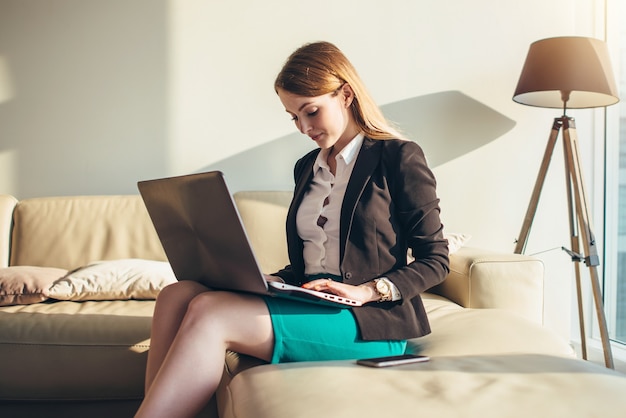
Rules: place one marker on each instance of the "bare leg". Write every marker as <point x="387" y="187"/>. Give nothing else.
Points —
<point x="170" y="309"/>
<point x="193" y="366"/>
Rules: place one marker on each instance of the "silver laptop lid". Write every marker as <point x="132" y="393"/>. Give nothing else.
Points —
<point x="201" y="232"/>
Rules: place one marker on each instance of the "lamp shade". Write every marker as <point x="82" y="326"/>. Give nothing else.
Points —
<point x="567" y="72"/>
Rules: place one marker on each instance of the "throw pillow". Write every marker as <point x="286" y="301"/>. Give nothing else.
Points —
<point x="114" y="280"/>
<point x="23" y="285"/>
<point x="456" y="240"/>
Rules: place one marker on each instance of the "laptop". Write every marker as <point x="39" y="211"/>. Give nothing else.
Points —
<point x="200" y="229"/>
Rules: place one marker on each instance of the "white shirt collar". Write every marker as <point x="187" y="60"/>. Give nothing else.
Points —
<point x="348" y="153"/>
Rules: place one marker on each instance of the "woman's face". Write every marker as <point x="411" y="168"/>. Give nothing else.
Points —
<point x="326" y="119"/>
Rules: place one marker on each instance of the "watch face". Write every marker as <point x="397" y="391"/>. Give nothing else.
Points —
<point x="382" y="287"/>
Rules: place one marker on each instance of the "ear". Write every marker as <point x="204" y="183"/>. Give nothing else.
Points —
<point x="348" y="94"/>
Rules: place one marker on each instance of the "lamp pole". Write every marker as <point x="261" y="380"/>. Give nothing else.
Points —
<point x="579" y="225"/>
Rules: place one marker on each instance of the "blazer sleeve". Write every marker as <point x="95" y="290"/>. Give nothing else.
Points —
<point x="412" y="186"/>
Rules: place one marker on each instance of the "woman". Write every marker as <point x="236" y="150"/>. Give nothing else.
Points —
<point x="361" y="200"/>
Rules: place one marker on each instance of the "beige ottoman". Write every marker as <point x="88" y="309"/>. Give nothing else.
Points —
<point x="484" y="362"/>
<point x="524" y="385"/>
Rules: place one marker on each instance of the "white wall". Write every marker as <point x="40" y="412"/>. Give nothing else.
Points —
<point x="109" y="92"/>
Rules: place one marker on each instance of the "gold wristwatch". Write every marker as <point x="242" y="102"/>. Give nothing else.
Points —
<point x="383" y="288"/>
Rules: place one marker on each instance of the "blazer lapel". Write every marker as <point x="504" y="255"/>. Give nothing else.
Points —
<point x="303" y="181"/>
<point x="367" y="161"/>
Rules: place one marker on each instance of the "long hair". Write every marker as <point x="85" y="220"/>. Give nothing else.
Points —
<point x="319" y="68"/>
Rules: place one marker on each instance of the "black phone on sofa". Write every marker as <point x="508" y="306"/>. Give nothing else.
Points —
<point x="393" y="360"/>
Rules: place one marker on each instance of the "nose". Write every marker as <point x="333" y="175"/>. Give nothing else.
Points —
<point x="303" y="126"/>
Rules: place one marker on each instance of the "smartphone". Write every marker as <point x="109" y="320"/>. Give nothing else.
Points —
<point x="392" y="360"/>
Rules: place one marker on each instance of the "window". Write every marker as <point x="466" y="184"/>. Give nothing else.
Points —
<point x="615" y="231"/>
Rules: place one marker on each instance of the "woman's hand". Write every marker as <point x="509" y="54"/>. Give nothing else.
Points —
<point x="364" y="293"/>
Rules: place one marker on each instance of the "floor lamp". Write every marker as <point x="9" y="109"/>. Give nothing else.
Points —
<point x="574" y="73"/>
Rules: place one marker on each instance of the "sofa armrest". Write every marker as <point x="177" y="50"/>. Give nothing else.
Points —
<point x="485" y="279"/>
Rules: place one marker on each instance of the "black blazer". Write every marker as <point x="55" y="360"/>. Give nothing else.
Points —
<point x="390" y="205"/>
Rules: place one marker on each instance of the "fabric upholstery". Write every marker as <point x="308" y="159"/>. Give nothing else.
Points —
<point x="22" y="285"/>
<point x="474" y="386"/>
<point x="70" y="232"/>
<point x="263" y="215"/>
<point x="68" y="350"/>
<point x="480" y="279"/>
<point x="114" y="280"/>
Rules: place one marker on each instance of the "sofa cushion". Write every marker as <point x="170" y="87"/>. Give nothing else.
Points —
<point x="114" y="280"/>
<point x="480" y="386"/>
<point x="458" y="331"/>
<point x="68" y="232"/>
<point x="21" y="285"/>
<point x="487" y="279"/>
<point x="74" y="350"/>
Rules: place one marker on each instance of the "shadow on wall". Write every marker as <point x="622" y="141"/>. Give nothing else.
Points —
<point x="446" y="124"/>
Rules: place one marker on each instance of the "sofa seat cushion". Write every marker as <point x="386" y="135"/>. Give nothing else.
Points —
<point x="458" y="331"/>
<point x="74" y="350"/>
<point x="471" y="386"/>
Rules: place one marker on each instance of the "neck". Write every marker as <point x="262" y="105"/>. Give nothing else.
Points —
<point x="345" y="139"/>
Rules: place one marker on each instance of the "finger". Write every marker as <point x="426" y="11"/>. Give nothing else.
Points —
<point x="319" y="284"/>
<point x="323" y="285"/>
<point x="315" y="282"/>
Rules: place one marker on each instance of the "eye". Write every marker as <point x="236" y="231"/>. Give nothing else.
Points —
<point x="308" y="113"/>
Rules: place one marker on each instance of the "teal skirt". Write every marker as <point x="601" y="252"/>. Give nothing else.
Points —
<point x="309" y="332"/>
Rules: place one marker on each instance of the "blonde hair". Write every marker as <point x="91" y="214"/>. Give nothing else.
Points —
<point x="320" y="68"/>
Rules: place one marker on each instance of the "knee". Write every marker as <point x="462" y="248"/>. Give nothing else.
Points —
<point x="179" y="293"/>
<point x="204" y="303"/>
<point x="214" y="306"/>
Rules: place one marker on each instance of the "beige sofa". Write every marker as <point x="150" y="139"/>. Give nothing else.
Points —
<point x="490" y="354"/>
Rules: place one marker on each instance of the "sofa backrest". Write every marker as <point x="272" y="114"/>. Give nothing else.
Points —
<point x="69" y="232"/>
<point x="7" y="204"/>
<point x="263" y="214"/>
